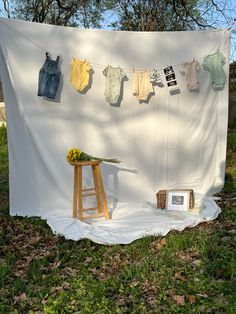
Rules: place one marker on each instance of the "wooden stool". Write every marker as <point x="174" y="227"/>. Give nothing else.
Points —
<point x="97" y="190"/>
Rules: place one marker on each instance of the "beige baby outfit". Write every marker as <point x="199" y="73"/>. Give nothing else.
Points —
<point x="142" y="87"/>
<point x="190" y="69"/>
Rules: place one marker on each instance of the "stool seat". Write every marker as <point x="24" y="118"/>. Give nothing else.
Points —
<point x="97" y="191"/>
<point x="85" y="163"/>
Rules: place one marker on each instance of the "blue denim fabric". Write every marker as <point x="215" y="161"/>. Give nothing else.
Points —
<point x="49" y="78"/>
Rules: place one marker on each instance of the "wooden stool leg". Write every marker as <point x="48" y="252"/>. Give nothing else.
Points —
<point x="80" y="174"/>
<point x="96" y="188"/>
<point x="75" y="198"/>
<point x="103" y="195"/>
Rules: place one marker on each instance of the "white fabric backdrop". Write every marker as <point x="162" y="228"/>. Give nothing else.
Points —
<point x="173" y="141"/>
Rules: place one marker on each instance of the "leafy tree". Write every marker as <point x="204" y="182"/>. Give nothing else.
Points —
<point x="58" y="12"/>
<point x="171" y="15"/>
<point x="138" y="15"/>
<point x="162" y="15"/>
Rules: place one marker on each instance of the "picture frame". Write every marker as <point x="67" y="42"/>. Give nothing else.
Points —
<point x="178" y="200"/>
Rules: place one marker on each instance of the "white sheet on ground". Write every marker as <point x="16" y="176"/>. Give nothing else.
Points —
<point x="172" y="141"/>
<point x="132" y="221"/>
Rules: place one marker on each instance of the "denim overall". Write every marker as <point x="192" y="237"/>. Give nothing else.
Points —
<point x="49" y="78"/>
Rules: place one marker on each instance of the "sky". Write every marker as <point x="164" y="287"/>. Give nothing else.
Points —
<point x="232" y="12"/>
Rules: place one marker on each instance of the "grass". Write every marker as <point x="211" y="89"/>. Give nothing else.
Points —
<point x="230" y="183"/>
<point x="189" y="272"/>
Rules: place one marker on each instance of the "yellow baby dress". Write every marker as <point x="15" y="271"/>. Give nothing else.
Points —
<point x="79" y="74"/>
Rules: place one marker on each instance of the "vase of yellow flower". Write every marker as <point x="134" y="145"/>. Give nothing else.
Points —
<point x="75" y="154"/>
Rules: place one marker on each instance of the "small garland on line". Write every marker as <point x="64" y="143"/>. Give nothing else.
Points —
<point x="75" y="154"/>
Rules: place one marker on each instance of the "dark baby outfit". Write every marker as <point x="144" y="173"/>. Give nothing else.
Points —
<point x="49" y="78"/>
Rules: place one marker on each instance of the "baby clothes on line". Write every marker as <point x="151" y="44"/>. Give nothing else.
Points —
<point x="214" y="65"/>
<point x="190" y="69"/>
<point x="142" y="87"/>
<point x="79" y="74"/>
<point x="171" y="79"/>
<point x="49" y="78"/>
<point x="114" y="77"/>
<point x="155" y="77"/>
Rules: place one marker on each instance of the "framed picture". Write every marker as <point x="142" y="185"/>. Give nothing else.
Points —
<point x="178" y="200"/>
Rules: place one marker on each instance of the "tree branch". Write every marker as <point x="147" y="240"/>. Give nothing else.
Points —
<point x="6" y="8"/>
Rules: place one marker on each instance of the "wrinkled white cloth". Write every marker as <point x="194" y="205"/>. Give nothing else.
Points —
<point x="132" y="221"/>
<point x="173" y="141"/>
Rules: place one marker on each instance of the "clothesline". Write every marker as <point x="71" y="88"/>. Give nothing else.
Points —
<point x="127" y="69"/>
<point x="131" y="69"/>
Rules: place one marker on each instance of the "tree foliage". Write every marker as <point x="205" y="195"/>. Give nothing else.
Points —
<point x="162" y="15"/>
<point x="87" y="14"/>
<point x="136" y="15"/>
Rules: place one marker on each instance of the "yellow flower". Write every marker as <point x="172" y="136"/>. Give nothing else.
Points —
<point x="73" y="155"/>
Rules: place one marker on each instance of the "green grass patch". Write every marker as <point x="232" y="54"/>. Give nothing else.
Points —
<point x="189" y="272"/>
<point x="3" y="151"/>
